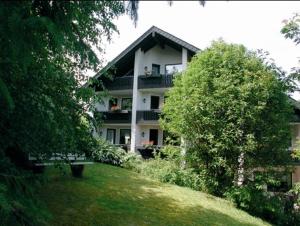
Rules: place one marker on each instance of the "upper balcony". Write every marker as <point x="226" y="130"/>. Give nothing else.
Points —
<point x="119" y="83"/>
<point x="155" y="81"/>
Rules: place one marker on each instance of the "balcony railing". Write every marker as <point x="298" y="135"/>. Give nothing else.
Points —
<point x="155" y="81"/>
<point x="119" y="83"/>
<point x="116" y="117"/>
<point x="151" y="115"/>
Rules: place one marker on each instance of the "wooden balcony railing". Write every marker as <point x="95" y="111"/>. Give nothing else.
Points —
<point x="157" y="81"/>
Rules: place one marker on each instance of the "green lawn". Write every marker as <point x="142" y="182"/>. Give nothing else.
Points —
<point x="108" y="195"/>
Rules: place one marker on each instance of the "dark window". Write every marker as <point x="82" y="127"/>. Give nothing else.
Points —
<point x="113" y="102"/>
<point x="111" y="136"/>
<point x="154" y="102"/>
<point x="125" y="135"/>
<point x="155" y="69"/>
<point x="153" y="136"/>
<point x="126" y="104"/>
<point x="173" y="69"/>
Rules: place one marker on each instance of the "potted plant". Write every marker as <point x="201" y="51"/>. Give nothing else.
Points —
<point x="115" y="108"/>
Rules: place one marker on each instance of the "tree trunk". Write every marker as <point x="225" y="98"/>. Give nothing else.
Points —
<point x="240" y="176"/>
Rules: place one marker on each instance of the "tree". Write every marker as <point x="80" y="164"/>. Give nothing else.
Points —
<point x="291" y="30"/>
<point x="44" y="45"/>
<point x="229" y="102"/>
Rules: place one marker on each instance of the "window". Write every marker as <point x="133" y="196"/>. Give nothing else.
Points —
<point x="111" y="136"/>
<point x="155" y="69"/>
<point x="154" y="102"/>
<point x="125" y="136"/>
<point x="173" y="68"/>
<point x="126" y="104"/>
<point x="113" y="102"/>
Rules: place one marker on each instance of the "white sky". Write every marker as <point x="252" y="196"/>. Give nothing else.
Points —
<point x="254" y="24"/>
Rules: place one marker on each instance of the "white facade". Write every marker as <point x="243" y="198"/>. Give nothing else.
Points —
<point x="142" y="132"/>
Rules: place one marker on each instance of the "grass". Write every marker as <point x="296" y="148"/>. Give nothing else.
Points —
<point x="112" y="196"/>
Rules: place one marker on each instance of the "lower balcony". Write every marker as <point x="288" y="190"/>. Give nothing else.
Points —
<point x="147" y="116"/>
<point x="117" y="117"/>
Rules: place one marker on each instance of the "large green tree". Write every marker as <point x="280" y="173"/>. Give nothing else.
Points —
<point x="43" y="46"/>
<point x="226" y="104"/>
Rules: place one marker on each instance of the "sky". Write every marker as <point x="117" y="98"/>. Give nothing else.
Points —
<point x="255" y="24"/>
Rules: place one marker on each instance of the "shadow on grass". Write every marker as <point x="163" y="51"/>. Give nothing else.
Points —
<point x="112" y="196"/>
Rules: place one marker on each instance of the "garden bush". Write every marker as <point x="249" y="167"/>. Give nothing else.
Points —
<point x="168" y="171"/>
<point x="132" y="161"/>
<point x="107" y="153"/>
<point x="275" y="208"/>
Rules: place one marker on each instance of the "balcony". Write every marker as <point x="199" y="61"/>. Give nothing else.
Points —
<point x="119" y="83"/>
<point x="147" y="116"/>
<point x="116" y="117"/>
<point x="155" y="81"/>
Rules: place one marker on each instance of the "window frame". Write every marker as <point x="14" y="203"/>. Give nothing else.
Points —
<point x="174" y="65"/>
<point x="157" y="66"/>
<point x="114" y="137"/>
<point x="126" y="98"/>
<point x="124" y="139"/>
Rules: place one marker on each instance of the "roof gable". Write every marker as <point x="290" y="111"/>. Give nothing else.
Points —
<point x="146" y="41"/>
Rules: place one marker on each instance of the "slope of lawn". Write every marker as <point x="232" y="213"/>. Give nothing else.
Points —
<point x="108" y="195"/>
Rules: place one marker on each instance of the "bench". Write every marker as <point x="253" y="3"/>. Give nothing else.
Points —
<point x="75" y="161"/>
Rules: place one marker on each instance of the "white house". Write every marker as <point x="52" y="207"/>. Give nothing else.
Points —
<point x="141" y="75"/>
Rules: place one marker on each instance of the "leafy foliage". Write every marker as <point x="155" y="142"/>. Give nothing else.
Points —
<point x="229" y="102"/>
<point x="132" y="161"/>
<point x="291" y="30"/>
<point x="108" y="153"/>
<point x="277" y="209"/>
<point x="44" y="46"/>
<point x="166" y="167"/>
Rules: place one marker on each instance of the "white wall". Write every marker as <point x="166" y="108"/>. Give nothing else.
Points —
<point x="160" y="56"/>
<point x="146" y="130"/>
<point x="147" y="105"/>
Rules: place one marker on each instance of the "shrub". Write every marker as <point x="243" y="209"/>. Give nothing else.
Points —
<point x="171" y="152"/>
<point x="295" y="192"/>
<point x="168" y="171"/>
<point x="108" y="153"/>
<point x="276" y="209"/>
<point x="19" y="204"/>
<point x="132" y="161"/>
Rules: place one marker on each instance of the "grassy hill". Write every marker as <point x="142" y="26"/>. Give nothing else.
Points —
<point x="108" y="195"/>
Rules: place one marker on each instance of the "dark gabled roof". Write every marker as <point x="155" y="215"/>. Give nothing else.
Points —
<point x="144" y="40"/>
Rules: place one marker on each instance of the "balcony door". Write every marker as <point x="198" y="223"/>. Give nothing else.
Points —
<point x="154" y="104"/>
<point x="111" y="136"/>
<point x="153" y="136"/>
<point x="125" y="135"/>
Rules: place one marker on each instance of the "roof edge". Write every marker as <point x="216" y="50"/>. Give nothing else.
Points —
<point x="140" y="39"/>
